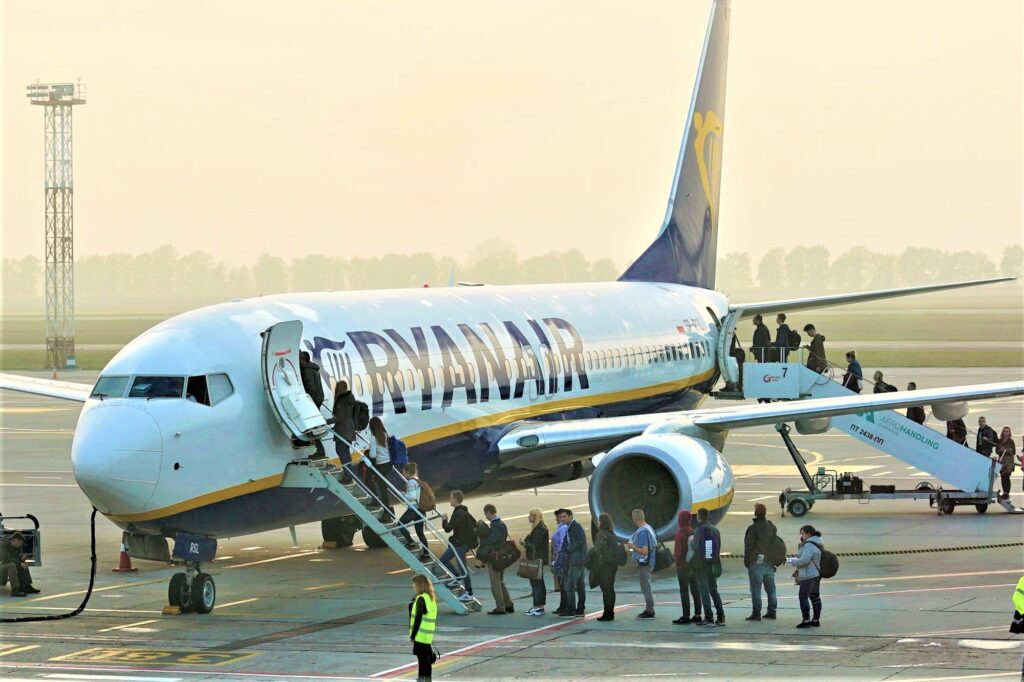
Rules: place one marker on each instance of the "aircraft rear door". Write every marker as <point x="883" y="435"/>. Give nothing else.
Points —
<point x="727" y="364"/>
<point x="295" y="411"/>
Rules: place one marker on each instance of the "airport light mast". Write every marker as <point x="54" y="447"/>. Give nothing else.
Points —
<point x="58" y="100"/>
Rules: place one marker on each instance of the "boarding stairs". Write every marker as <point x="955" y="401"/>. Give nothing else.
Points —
<point x="886" y="430"/>
<point x="346" y="483"/>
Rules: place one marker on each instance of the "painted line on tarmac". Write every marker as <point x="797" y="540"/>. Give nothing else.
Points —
<point x="8" y="649"/>
<point x="39" y="485"/>
<point x="219" y="673"/>
<point x="71" y="594"/>
<point x="236" y="603"/>
<point x="129" y="625"/>
<point x="1008" y="673"/>
<point x="893" y="552"/>
<point x="277" y="558"/>
<point x="311" y="628"/>
<point x="127" y="678"/>
<point x="325" y="587"/>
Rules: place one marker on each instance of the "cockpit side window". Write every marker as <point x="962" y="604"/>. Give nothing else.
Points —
<point x="109" y="387"/>
<point x="219" y="387"/>
<point x="196" y="391"/>
<point x="157" y="387"/>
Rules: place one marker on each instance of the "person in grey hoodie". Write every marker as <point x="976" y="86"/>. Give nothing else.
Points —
<point x="808" y="575"/>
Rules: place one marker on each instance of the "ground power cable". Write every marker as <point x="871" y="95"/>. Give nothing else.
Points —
<point x="88" y="592"/>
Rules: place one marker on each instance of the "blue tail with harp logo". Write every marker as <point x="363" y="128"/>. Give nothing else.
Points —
<point x="685" y="250"/>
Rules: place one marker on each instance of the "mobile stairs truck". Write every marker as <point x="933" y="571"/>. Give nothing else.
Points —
<point x="968" y="478"/>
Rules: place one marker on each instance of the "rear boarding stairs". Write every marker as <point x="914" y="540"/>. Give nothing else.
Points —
<point x="971" y="477"/>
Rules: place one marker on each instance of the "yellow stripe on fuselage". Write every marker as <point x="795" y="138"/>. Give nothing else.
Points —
<point x="428" y="436"/>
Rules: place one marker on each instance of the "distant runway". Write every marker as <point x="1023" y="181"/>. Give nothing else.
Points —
<point x="919" y="608"/>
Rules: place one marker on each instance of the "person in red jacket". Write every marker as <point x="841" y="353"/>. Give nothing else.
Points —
<point x="687" y="581"/>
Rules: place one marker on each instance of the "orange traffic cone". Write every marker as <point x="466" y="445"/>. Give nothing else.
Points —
<point x="124" y="564"/>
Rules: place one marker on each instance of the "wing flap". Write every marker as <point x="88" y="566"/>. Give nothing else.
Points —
<point x="51" y="388"/>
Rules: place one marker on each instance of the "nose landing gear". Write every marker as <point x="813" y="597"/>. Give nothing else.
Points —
<point x="192" y="590"/>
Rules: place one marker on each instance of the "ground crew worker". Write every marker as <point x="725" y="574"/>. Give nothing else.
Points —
<point x="422" y="621"/>
<point x="13" y="568"/>
<point x="1017" y="625"/>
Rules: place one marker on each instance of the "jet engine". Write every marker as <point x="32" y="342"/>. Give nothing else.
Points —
<point x="663" y="474"/>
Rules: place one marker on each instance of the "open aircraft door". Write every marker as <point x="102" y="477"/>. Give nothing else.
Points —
<point x="727" y="364"/>
<point x="298" y="415"/>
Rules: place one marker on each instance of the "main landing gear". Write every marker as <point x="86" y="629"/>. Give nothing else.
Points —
<point x="192" y="590"/>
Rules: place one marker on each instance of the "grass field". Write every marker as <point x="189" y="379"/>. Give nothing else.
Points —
<point x="1001" y="320"/>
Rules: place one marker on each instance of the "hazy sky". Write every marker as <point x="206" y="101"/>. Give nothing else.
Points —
<point x="361" y="127"/>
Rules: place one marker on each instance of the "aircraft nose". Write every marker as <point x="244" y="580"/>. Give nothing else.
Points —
<point x="116" y="456"/>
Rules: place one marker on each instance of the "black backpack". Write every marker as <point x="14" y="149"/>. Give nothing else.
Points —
<point x="828" y="565"/>
<point x="794" y="339"/>
<point x="777" y="551"/>
<point x="360" y="415"/>
<point x="474" y="537"/>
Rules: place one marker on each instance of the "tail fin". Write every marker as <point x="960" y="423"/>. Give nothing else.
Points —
<point x="685" y="250"/>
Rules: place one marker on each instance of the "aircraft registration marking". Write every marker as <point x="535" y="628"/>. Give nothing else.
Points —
<point x="154" y="656"/>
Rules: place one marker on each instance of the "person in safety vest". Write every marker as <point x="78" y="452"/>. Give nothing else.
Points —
<point x="422" y="620"/>
<point x="1017" y="625"/>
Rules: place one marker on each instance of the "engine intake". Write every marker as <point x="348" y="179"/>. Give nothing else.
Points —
<point x="662" y="474"/>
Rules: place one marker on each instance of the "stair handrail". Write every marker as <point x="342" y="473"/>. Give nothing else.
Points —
<point x="437" y="535"/>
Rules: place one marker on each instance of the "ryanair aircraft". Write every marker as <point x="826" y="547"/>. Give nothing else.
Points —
<point x="493" y="388"/>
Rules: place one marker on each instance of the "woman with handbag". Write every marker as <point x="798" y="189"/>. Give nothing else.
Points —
<point x="532" y="567"/>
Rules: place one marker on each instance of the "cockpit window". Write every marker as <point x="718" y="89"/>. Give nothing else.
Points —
<point x="196" y="390"/>
<point x="219" y="387"/>
<point x="109" y="387"/>
<point x="157" y="387"/>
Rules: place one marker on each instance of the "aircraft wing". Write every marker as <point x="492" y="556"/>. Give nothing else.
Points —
<point x="66" y="390"/>
<point x="530" y="444"/>
<point x="790" y="305"/>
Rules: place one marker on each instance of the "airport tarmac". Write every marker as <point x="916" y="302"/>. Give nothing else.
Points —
<point x="918" y="596"/>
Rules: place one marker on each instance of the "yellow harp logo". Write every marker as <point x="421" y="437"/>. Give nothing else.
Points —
<point x="707" y="146"/>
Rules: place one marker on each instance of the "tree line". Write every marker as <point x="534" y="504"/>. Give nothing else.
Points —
<point x="164" y="278"/>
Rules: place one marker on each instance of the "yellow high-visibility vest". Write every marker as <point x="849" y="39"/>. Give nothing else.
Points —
<point x="425" y="635"/>
<point x="1018" y="596"/>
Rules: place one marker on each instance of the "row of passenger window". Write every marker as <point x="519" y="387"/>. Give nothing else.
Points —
<point x="205" y="389"/>
<point x="633" y="356"/>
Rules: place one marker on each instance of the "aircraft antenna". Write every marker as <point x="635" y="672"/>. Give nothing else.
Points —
<point x="58" y="100"/>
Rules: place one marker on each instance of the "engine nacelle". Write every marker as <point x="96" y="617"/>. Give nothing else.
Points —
<point x="663" y="474"/>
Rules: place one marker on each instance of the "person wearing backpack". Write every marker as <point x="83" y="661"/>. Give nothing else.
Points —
<point x="494" y="540"/>
<point x="463" y="538"/>
<point x="757" y="553"/>
<point x="610" y="555"/>
<point x="782" y="338"/>
<point x="707" y="564"/>
<point x="536" y="545"/>
<point x="684" y="572"/>
<point x="808" y="575"/>
<point x="642" y="546"/>
<point x="413" y="491"/>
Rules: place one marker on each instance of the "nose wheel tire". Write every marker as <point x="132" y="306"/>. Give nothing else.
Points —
<point x="204" y="593"/>
<point x="178" y="593"/>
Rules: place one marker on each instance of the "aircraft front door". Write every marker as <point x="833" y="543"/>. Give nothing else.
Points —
<point x="282" y="381"/>
<point x="727" y="364"/>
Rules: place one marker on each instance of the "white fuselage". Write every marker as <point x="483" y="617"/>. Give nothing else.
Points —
<point x="446" y="369"/>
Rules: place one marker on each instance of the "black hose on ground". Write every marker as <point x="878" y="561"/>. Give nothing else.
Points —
<point x="88" y="593"/>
